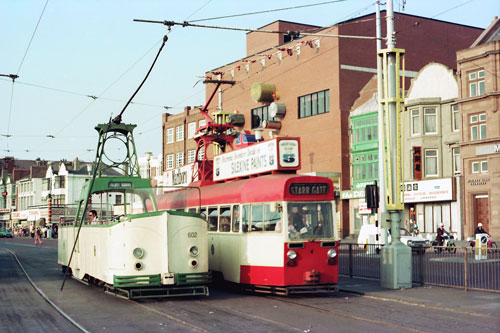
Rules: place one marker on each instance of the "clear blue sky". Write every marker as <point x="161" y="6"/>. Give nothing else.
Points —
<point x="94" y="48"/>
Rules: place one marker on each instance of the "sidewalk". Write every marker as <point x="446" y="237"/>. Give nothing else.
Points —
<point x="480" y="303"/>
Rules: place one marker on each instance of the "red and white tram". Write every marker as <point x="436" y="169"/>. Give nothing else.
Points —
<point x="275" y="233"/>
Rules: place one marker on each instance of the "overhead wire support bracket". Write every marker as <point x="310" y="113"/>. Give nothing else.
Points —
<point x="11" y="76"/>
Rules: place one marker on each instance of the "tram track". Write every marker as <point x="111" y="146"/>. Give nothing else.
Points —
<point x="214" y="309"/>
<point x="348" y="315"/>
<point x="44" y="296"/>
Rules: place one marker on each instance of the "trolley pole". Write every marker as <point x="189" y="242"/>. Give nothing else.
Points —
<point x="396" y="257"/>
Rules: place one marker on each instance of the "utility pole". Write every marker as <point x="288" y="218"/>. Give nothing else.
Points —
<point x="395" y="264"/>
<point x="381" y="170"/>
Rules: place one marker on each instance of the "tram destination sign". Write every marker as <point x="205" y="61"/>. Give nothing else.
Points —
<point x="266" y="156"/>
<point x="120" y="185"/>
<point x="309" y="188"/>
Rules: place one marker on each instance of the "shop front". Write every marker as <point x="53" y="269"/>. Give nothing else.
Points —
<point x="428" y="203"/>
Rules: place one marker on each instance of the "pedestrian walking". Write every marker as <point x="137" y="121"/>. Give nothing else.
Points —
<point x="38" y="236"/>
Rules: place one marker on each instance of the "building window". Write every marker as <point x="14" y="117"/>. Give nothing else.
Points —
<point x="314" y="104"/>
<point x="201" y="153"/>
<point x="475" y="167"/>
<point x="415" y="122"/>
<point x="365" y="130"/>
<point x="46" y="184"/>
<point x="259" y="115"/>
<point x="170" y="161"/>
<point x="365" y="167"/>
<point x="170" y="135"/>
<point x="456" y="160"/>
<point x="430" y="121"/>
<point x="202" y="123"/>
<point x="484" y="166"/>
<point x="455" y="118"/>
<point x="478" y="127"/>
<point x="476" y="83"/>
<point x="179" y="133"/>
<point x="59" y="182"/>
<point x="191" y="155"/>
<point x="191" y="130"/>
<point x="431" y="162"/>
<point x="179" y="159"/>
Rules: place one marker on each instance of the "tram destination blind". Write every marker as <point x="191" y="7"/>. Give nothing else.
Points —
<point x="309" y="188"/>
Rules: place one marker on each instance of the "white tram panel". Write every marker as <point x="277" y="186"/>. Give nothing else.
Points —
<point x="103" y="251"/>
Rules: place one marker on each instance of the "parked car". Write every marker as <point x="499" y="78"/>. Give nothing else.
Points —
<point x="6" y="234"/>
<point x="367" y="235"/>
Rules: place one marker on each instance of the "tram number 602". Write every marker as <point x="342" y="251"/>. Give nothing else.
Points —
<point x="192" y="234"/>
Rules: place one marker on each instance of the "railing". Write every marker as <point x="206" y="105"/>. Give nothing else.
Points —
<point x="458" y="267"/>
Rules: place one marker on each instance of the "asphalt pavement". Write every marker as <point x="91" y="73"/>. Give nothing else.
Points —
<point x="482" y="303"/>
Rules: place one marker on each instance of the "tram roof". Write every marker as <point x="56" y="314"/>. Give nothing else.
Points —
<point x="259" y="189"/>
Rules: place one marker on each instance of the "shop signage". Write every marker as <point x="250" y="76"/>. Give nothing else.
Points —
<point x="429" y="190"/>
<point x="259" y="158"/>
<point x="182" y="176"/>
<point x="363" y="207"/>
<point x="22" y="215"/>
<point x="488" y="149"/>
<point x="5" y="210"/>
<point x="352" y="194"/>
<point x="478" y="181"/>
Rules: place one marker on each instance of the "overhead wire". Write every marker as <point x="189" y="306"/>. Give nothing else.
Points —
<point x="14" y="77"/>
<point x="267" y="11"/>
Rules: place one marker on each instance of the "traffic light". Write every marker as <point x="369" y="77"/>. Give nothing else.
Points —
<point x="4" y="193"/>
<point x="372" y="196"/>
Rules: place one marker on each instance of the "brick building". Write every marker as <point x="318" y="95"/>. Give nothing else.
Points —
<point x="318" y="78"/>
<point x="478" y="70"/>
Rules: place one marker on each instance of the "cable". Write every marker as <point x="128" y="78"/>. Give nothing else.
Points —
<point x="267" y="11"/>
<point x="32" y="36"/>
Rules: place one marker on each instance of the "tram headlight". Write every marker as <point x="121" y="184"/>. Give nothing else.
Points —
<point x="138" y="253"/>
<point x="291" y="255"/>
<point x="193" y="250"/>
<point x="332" y="253"/>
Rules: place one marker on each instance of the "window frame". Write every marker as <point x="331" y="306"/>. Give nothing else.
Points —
<point x="170" y="135"/>
<point x="415" y="116"/>
<point x="435" y="122"/>
<point x="455" y="118"/>
<point x="457" y="167"/>
<point x="476" y="83"/>
<point x="179" y="133"/>
<point x="191" y="129"/>
<point x="179" y="159"/>
<point x="191" y="155"/>
<point x="436" y="158"/>
<point x="169" y="161"/>
<point x="313" y="104"/>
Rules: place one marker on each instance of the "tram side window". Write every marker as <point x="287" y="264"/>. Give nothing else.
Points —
<point x="257" y="217"/>
<point x="236" y="218"/>
<point x="245" y="214"/>
<point x="266" y="217"/>
<point x="272" y="217"/>
<point x="225" y="219"/>
<point x="192" y="210"/>
<point x="212" y="218"/>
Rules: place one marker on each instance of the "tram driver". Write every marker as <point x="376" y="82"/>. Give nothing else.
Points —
<point x="93" y="217"/>
<point x="296" y="222"/>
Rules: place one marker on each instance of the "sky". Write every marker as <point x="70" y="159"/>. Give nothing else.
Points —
<point x="79" y="61"/>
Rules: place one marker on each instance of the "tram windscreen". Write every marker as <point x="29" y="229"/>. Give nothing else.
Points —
<point x="310" y="220"/>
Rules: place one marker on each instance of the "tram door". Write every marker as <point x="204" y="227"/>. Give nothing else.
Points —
<point x="482" y="211"/>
